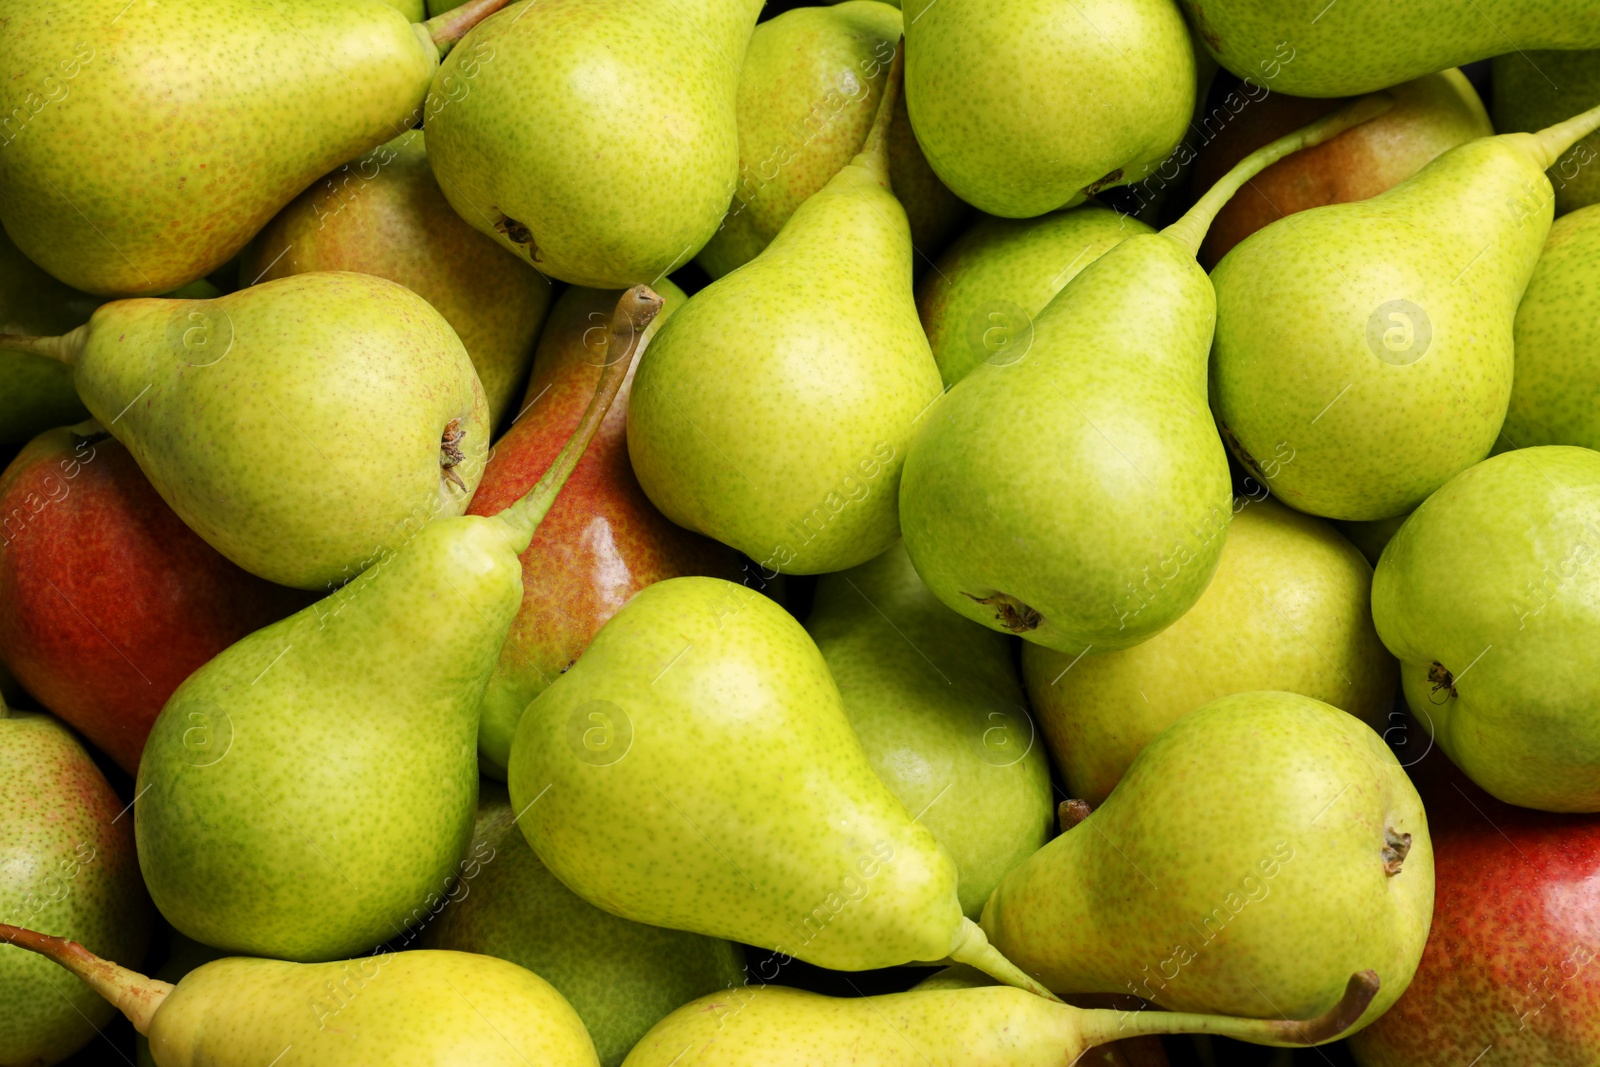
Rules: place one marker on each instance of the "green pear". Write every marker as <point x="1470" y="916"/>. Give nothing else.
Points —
<point x="1533" y="90"/>
<point x="400" y="1009"/>
<point x="1260" y="850"/>
<point x="620" y="977"/>
<point x="696" y="770"/>
<point x="935" y="701"/>
<point x="1075" y="492"/>
<point x="413" y="10"/>
<point x="223" y="112"/>
<point x="1399" y="312"/>
<point x="66" y="864"/>
<point x="306" y="793"/>
<point x="383" y="214"/>
<point x="1555" y="386"/>
<point x="1022" y="108"/>
<point x="773" y="412"/>
<point x="183" y="956"/>
<point x="1289" y="609"/>
<point x="1371" y="537"/>
<point x="594" y="138"/>
<point x="1490" y="597"/>
<point x="1357" y="46"/>
<point x="812" y="80"/>
<point x="980" y="301"/>
<point x="36" y="392"/>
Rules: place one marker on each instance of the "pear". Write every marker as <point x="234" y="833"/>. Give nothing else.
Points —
<point x="183" y="956"/>
<point x="696" y="770"/>
<point x="774" y="411"/>
<point x="594" y="138"/>
<point x="304" y="794"/>
<point x="383" y="214"/>
<point x="1371" y="537"/>
<point x="413" y="10"/>
<point x="1534" y="89"/>
<point x="1557" y="332"/>
<point x="1022" y="108"/>
<point x="209" y="144"/>
<point x="1288" y="610"/>
<point x="68" y="866"/>
<point x="1357" y="46"/>
<point x="980" y="302"/>
<point x="1260" y="850"/>
<point x="36" y="392"/>
<point x="620" y="977"/>
<point x="404" y="1009"/>
<point x="935" y="701"/>
<point x="1076" y="493"/>
<point x="811" y="83"/>
<point x="1490" y="598"/>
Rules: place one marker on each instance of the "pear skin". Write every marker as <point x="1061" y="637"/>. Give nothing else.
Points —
<point x="37" y="393"/>
<point x="1533" y="90"/>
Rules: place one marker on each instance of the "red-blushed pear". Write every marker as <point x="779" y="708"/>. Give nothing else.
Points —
<point x="107" y="600"/>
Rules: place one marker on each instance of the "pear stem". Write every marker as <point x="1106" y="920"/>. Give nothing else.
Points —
<point x="448" y="28"/>
<point x="1190" y="230"/>
<point x="874" y="154"/>
<point x="65" y="349"/>
<point x="129" y="992"/>
<point x="635" y="311"/>
<point x="1550" y="144"/>
<point x="975" y="951"/>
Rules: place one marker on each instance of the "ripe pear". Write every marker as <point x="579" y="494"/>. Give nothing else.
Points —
<point x="1289" y="609"/>
<point x="300" y="426"/>
<point x="183" y="956"/>
<point x="696" y="770"/>
<point x="1023" y="108"/>
<point x="1490" y="597"/>
<point x="935" y="701"/>
<point x="1260" y="850"/>
<point x="773" y="412"/>
<point x="1399" y="313"/>
<point x="1076" y="493"/>
<point x="36" y="392"/>
<point x="403" y="1009"/>
<point x="210" y="143"/>
<point x="1534" y="89"/>
<point x="305" y="793"/>
<point x="383" y="214"/>
<point x="594" y="138"/>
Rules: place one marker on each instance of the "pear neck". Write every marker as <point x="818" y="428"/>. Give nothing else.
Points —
<point x="634" y="313"/>
<point x="66" y="348"/>
<point x="129" y="992"/>
<point x="1190" y="230"/>
<point x="1549" y="145"/>
<point x="874" y="154"/>
<point x="972" y="947"/>
<point x="445" y="29"/>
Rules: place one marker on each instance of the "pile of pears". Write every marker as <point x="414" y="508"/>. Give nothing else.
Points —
<point x="613" y="532"/>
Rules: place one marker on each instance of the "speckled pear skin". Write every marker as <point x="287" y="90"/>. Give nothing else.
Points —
<point x="69" y="870"/>
<point x="594" y="138"/>
<point x="1489" y="596"/>
<point x="774" y="411"/>
<point x="1359" y="46"/>
<point x="1289" y="609"/>
<point x="1318" y="314"/>
<point x="1555" y="387"/>
<point x="991" y="284"/>
<point x="1536" y="89"/>
<point x="742" y="806"/>
<point x="247" y="102"/>
<point x="1022" y="108"/>
<point x="295" y="425"/>
<point x="935" y="700"/>
<point x="413" y="10"/>
<point x="306" y="793"/>
<point x="36" y="392"/>
<point x="1084" y="481"/>
<point x="383" y="214"/>
<point x="1238" y="869"/>
<point x="620" y="977"/>
<point x="401" y="1009"/>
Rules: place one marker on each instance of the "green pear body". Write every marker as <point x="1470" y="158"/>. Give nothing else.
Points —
<point x="1289" y="609"/>
<point x="36" y="392"/>
<point x="594" y="138"/>
<point x="1538" y="89"/>
<point x="308" y="793"/>
<point x="1371" y="536"/>
<point x="1078" y="495"/>
<point x="413" y="10"/>
<point x="222" y="112"/>
<point x="1026" y="107"/>
<point x="1237" y="869"/>
<point x="400" y="1009"/>
<point x="1363" y="350"/>
<point x="990" y="285"/>
<point x="935" y="701"/>
<point x="295" y="425"/>
<point x="773" y="411"/>
<point x="621" y="977"/>
<point x="695" y="769"/>
<point x="1490" y="597"/>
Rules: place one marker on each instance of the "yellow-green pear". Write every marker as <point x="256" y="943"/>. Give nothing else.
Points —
<point x="36" y="392"/>
<point x="1534" y="89"/>
<point x="1371" y="537"/>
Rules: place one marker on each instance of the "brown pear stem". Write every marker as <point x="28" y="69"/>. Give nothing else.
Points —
<point x="1190" y="230"/>
<point x="635" y="311"/>
<point x="446" y="29"/>
<point x="874" y="154"/>
<point x="65" y="349"/>
<point x="976" y="952"/>
<point x="1550" y="144"/>
<point x="129" y="992"/>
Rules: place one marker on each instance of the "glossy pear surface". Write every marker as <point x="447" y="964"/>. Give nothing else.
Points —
<point x="36" y="392"/>
<point x="1535" y="89"/>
